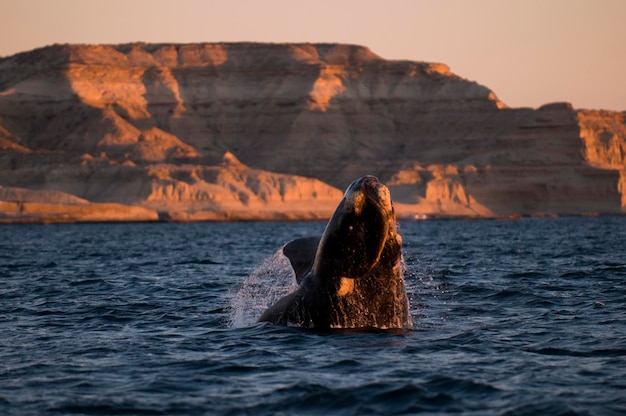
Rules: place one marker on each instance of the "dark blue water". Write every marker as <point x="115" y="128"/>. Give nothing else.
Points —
<point x="510" y="317"/>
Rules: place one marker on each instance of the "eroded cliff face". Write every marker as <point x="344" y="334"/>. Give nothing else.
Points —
<point x="193" y="132"/>
<point x="604" y="144"/>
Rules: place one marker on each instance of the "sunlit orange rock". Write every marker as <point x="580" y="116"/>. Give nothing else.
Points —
<point x="223" y="131"/>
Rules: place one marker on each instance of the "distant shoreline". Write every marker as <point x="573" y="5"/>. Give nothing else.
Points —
<point x="285" y="218"/>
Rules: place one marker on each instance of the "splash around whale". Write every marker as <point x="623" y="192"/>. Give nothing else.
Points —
<point x="351" y="276"/>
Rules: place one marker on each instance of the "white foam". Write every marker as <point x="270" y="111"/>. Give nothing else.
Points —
<point x="270" y="281"/>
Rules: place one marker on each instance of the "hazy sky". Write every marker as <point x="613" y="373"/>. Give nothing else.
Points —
<point x="530" y="52"/>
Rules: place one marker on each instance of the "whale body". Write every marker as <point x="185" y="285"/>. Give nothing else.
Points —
<point x="351" y="276"/>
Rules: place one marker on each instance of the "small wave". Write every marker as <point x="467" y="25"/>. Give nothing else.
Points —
<point x="374" y="398"/>
<point x="198" y="261"/>
<point x="14" y="266"/>
<point x="574" y="275"/>
<point x="106" y="408"/>
<point x="547" y="407"/>
<point x="459" y="385"/>
<point x="88" y="282"/>
<point x="612" y="352"/>
<point x="344" y="364"/>
<point x="532" y="275"/>
<point x="507" y="294"/>
<point x="615" y="267"/>
<point x="403" y="397"/>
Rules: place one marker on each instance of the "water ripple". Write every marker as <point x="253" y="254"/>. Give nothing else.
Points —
<point x="510" y="317"/>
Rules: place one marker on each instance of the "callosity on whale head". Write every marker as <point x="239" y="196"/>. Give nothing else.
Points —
<point x="351" y="276"/>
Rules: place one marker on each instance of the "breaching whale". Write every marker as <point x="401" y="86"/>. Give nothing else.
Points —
<point x="351" y="276"/>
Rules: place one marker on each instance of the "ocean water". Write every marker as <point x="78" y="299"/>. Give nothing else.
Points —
<point x="521" y="317"/>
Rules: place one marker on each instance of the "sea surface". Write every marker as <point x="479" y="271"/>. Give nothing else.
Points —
<point x="522" y="317"/>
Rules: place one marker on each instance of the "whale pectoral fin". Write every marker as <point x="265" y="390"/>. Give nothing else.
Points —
<point x="284" y="312"/>
<point x="301" y="255"/>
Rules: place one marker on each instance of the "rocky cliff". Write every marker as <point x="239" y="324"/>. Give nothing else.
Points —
<point x="257" y="131"/>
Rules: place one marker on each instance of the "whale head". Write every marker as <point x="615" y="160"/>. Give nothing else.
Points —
<point x="356" y="235"/>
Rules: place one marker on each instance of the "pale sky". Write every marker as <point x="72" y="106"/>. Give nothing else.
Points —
<point x="529" y="52"/>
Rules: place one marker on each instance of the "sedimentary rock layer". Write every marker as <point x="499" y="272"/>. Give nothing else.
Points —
<point x="245" y="130"/>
